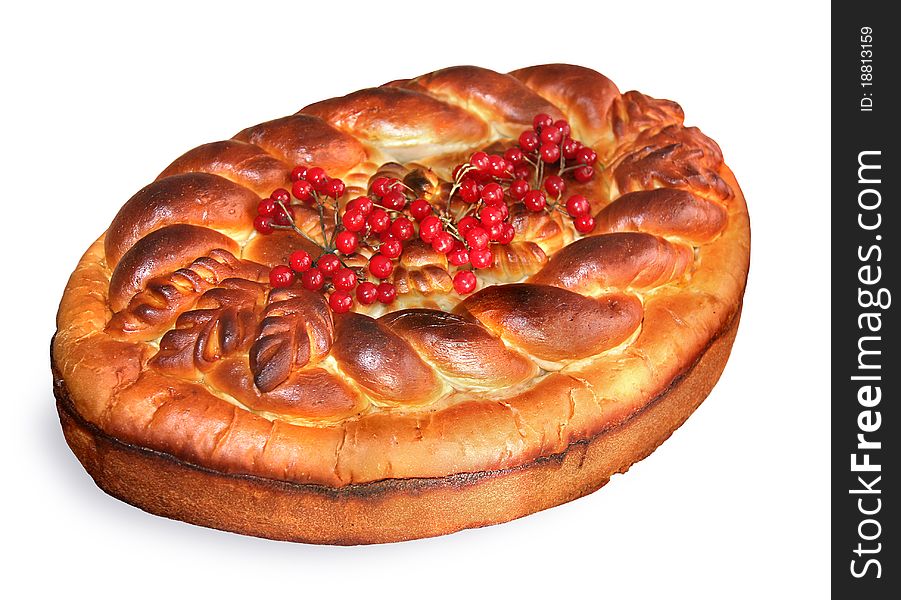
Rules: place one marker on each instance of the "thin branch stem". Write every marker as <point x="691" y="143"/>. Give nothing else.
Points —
<point x="297" y="229"/>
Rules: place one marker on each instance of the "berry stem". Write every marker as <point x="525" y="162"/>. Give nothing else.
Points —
<point x="319" y="207"/>
<point x="466" y="168"/>
<point x="298" y="230"/>
<point x="335" y="230"/>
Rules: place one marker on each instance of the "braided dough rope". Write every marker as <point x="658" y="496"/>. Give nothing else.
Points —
<point x="169" y="338"/>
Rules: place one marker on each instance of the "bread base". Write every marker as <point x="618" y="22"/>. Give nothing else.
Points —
<point x="391" y="510"/>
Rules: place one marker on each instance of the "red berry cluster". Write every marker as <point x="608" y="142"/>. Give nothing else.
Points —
<point x="547" y="145"/>
<point x="378" y="224"/>
<point x="312" y="186"/>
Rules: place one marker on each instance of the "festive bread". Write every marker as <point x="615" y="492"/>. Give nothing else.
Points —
<point x="190" y="386"/>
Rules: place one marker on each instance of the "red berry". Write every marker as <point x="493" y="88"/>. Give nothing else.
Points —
<point x="554" y="185"/>
<point x="550" y="135"/>
<point x="518" y="188"/>
<point x="391" y="248"/>
<point x="507" y="234"/>
<point x="490" y="215"/>
<point x="577" y="205"/>
<point x="381" y="185"/>
<point x="282" y="217"/>
<point x="429" y="228"/>
<point x="492" y="194"/>
<point x="528" y="141"/>
<point x="563" y="126"/>
<point x="458" y="255"/>
<point x="522" y="172"/>
<point x="344" y="279"/>
<point x="443" y="242"/>
<point x="378" y="220"/>
<point x="300" y="261"/>
<point x="465" y="282"/>
<point x="367" y="293"/>
<point x="281" y="195"/>
<point x="267" y="207"/>
<point x="328" y="264"/>
<point x="316" y="176"/>
<point x="312" y="279"/>
<point x="346" y="242"/>
<point x="535" y="200"/>
<point x="380" y="266"/>
<point x="505" y="212"/>
<point x="420" y="209"/>
<point x="469" y="190"/>
<point x="302" y="190"/>
<point x="497" y="166"/>
<point x="334" y="188"/>
<point x="467" y="223"/>
<point x="587" y="156"/>
<point x="263" y="225"/>
<point x="481" y="259"/>
<point x="322" y="186"/>
<point x="353" y="220"/>
<point x="583" y="174"/>
<point x="480" y="161"/>
<point x="394" y="199"/>
<point x="571" y="148"/>
<point x="495" y="231"/>
<point x="514" y="156"/>
<point x="477" y="238"/>
<point x="542" y="120"/>
<point x="387" y="292"/>
<point x="299" y="172"/>
<point x="549" y="153"/>
<point x="360" y="203"/>
<point x="281" y="276"/>
<point x="584" y="223"/>
<point x="402" y="228"/>
<point x="340" y="301"/>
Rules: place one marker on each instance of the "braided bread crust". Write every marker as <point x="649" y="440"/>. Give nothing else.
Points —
<point x="169" y="338"/>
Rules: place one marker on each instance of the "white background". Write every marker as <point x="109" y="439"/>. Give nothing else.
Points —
<point x="97" y="101"/>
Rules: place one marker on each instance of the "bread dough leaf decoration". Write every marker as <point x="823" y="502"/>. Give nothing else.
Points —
<point x="223" y="323"/>
<point x="296" y="330"/>
<point x="680" y="157"/>
<point x="154" y="309"/>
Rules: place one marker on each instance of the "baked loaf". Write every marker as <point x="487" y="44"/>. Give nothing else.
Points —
<point x="190" y="387"/>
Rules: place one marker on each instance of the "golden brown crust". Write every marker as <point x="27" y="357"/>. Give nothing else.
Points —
<point x="496" y="97"/>
<point x="306" y="140"/>
<point x="403" y="123"/>
<point x="161" y="251"/>
<point x="552" y="323"/>
<point x="616" y="260"/>
<point x="664" y="212"/>
<point x="243" y="163"/>
<point x="197" y="198"/>
<point x="168" y="340"/>
<point x="461" y="349"/>
<point x="585" y="94"/>
<point x="382" y="362"/>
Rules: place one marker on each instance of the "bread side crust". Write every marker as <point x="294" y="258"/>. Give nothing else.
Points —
<point x="390" y="510"/>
